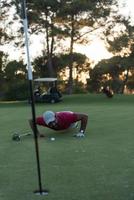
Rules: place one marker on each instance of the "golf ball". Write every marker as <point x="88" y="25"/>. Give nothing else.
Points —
<point x="52" y="138"/>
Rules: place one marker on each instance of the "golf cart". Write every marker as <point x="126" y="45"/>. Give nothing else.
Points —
<point x="52" y="95"/>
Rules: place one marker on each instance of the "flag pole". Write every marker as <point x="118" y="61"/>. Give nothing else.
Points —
<point x="30" y="78"/>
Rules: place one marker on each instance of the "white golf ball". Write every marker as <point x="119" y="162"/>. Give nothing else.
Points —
<point x="52" y="138"/>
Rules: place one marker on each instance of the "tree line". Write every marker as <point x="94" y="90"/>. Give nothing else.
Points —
<point x="73" y="21"/>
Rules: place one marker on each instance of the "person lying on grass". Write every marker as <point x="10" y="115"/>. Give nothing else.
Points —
<point x="61" y="121"/>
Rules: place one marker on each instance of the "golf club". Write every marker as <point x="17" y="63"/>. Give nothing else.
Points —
<point x="17" y="136"/>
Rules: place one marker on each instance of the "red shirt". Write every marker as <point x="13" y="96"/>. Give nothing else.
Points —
<point x="64" y="120"/>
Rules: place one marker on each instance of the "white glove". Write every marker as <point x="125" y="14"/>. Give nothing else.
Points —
<point x="80" y="134"/>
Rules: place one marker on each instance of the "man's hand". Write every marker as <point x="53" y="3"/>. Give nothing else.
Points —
<point x="79" y="135"/>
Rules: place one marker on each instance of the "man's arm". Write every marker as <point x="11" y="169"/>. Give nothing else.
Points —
<point x="84" y="119"/>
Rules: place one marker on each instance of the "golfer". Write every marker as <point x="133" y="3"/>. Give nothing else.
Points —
<point x="62" y="121"/>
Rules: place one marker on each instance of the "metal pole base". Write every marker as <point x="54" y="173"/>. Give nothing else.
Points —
<point x="43" y="192"/>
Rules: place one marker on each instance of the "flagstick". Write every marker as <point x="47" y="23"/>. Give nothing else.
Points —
<point x="30" y="78"/>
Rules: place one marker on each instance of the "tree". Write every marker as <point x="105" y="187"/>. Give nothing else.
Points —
<point x="122" y="43"/>
<point x="16" y="87"/>
<point x="118" y="70"/>
<point x="3" y="61"/>
<point x="77" y="14"/>
<point x="4" y="7"/>
<point x="41" y="18"/>
<point x="60" y="64"/>
<point x="4" y="38"/>
<point x="9" y="30"/>
<point x="65" y="19"/>
<point x="112" y="72"/>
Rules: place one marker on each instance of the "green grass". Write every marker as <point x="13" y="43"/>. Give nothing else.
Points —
<point x="98" y="167"/>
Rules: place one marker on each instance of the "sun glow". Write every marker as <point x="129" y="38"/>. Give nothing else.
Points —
<point x="95" y="51"/>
